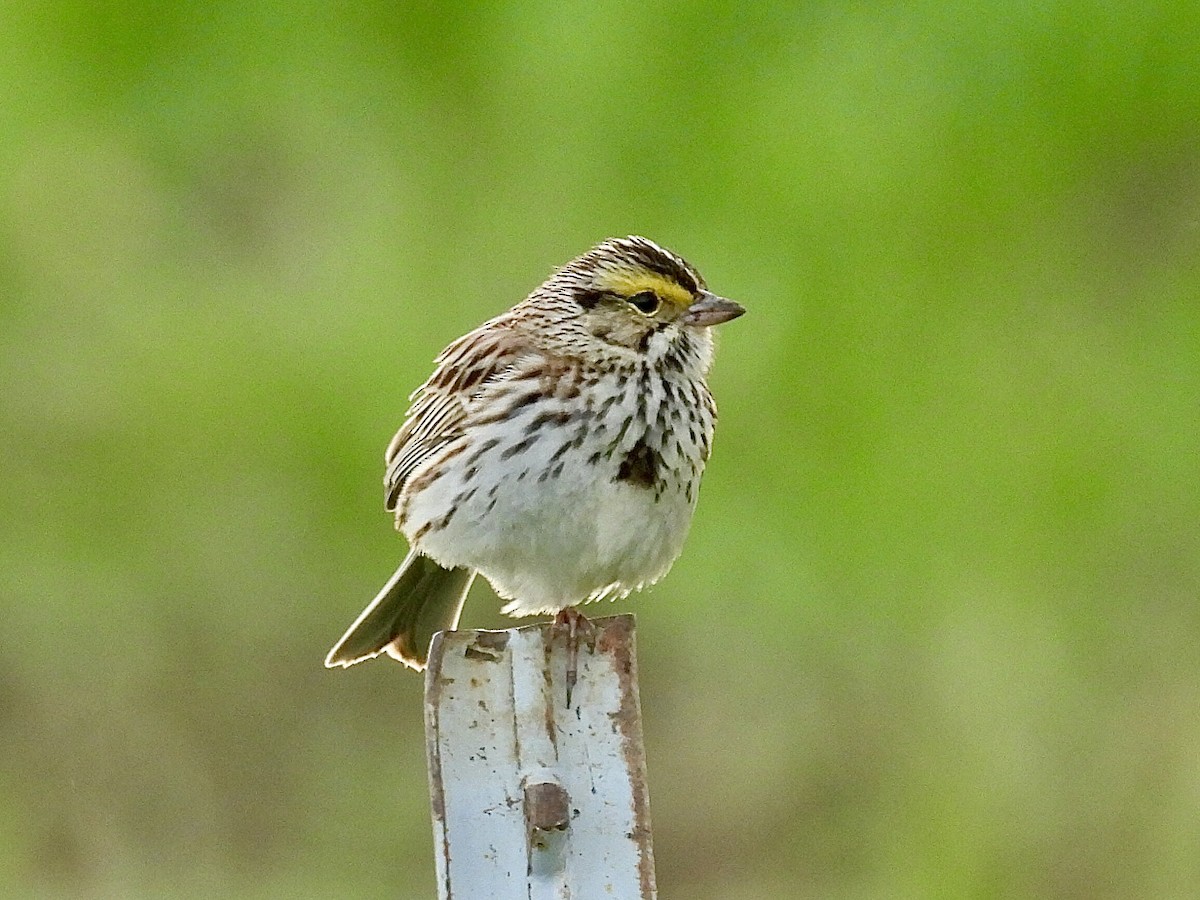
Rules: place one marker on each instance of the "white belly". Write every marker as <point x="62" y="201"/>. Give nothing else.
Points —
<point x="552" y="526"/>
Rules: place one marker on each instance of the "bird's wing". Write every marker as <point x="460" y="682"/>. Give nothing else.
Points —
<point x="439" y="406"/>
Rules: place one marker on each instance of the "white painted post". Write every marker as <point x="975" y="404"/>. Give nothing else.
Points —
<point x="531" y="798"/>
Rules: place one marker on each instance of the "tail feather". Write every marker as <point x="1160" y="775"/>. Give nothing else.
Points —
<point x="421" y="599"/>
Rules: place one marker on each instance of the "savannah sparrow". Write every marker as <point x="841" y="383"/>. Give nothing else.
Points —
<point x="556" y="449"/>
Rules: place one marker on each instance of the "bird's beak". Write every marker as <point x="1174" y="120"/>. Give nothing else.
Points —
<point x="709" y="309"/>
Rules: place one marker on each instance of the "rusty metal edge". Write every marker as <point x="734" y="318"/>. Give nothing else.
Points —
<point x="437" y="797"/>
<point x="619" y="639"/>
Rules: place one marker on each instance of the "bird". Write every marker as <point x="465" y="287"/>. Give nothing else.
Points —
<point x="556" y="450"/>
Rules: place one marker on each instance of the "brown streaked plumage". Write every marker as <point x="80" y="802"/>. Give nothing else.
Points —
<point x="556" y="449"/>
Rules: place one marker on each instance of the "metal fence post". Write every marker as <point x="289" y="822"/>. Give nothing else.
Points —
<point x="532" y="798"/>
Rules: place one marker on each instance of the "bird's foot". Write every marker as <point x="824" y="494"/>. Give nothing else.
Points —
<point x="575" y="624"/>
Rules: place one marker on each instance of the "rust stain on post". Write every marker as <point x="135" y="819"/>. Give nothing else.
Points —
<point x="437" y="796"/>
<point x="617" y="641"/>
<point x="488" y="646"/>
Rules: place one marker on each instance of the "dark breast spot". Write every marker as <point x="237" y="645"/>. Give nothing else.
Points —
<point x="641" y="466"/>
<point x="519" y="447"/>
<point x="551" y="417"/>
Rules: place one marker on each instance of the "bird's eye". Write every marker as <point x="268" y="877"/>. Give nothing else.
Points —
<point x="645" y="301"/>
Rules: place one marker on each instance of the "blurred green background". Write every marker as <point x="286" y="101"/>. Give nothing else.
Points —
<point x="936" y="631"/>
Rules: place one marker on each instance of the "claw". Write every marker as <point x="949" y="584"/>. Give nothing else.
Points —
<point x="575" y="622"/>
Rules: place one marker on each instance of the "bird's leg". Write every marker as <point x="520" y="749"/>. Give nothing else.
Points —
<point x="574" y="622"/>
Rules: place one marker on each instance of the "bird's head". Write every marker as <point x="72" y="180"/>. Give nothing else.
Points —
<point x="636" y="297"/>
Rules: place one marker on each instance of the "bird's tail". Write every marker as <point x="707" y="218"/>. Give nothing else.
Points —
<point x="421" y="599"/>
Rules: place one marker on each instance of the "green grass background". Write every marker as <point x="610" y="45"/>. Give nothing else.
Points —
<point x="936" y="631"/>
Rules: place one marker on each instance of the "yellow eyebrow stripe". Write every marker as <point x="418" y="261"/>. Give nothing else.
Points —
<point x="629" y="283"/>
